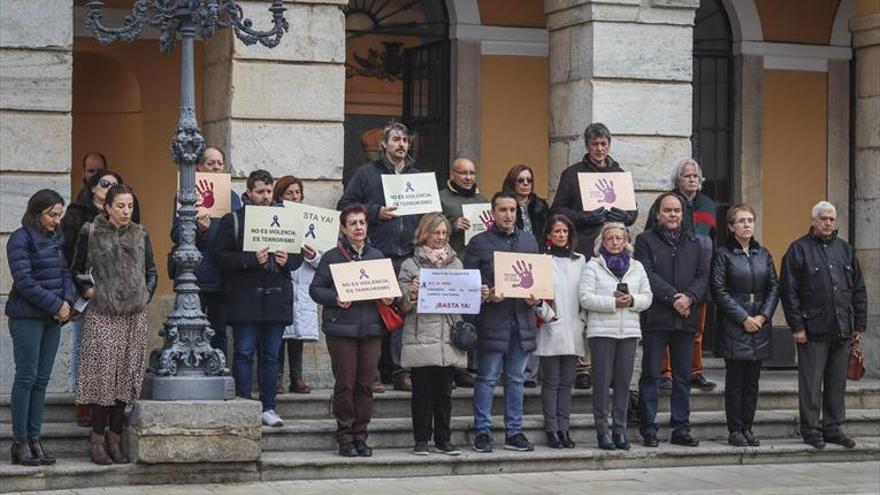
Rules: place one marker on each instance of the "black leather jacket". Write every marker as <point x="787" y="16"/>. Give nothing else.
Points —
<point x="744" y="284"/>
<point x="822" y="288"/>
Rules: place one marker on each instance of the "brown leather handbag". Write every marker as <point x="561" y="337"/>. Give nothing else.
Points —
<point x="855" y="369"/>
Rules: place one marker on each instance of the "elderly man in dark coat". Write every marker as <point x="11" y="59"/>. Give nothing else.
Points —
<point x="678" y="269"/>
<point x="826" y="306"/>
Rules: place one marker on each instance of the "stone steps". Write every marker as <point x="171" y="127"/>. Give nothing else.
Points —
<point x="68" y="439"/>
<point x="78" y="472"/>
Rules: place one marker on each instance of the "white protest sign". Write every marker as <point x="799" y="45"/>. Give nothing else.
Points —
<point x="320" y="226"/>
<point x="607" y="190"/>
<point x="274" y="227"/>
<point x="412" y="194"/>
<point x="449" y="291"/>
<point x="480" y="217"/>
<point x="365" y="280"/>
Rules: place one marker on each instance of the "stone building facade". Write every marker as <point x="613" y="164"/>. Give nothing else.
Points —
<point x="524" y="81"/>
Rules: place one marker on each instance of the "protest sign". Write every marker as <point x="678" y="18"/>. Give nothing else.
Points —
<point x="612" y="189"/>
<point x="519" y="275"/>
<point x="320" y="226"/>
<point x="412" y="194"/>
<point x="213" y="193"/>
<point x="449" y="291"/>
<point x="363" y="280"/>
<point x="480" y="217"/>
<point x="271" y="226"/>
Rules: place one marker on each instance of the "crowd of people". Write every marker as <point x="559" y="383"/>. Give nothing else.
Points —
<point x="628" y="314"/>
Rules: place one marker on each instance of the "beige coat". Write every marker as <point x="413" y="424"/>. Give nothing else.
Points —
<point x="427" y="339"/>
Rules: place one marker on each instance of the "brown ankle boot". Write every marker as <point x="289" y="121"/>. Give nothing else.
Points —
<point x="99" y="452"/>
<point x="114" y="449"/>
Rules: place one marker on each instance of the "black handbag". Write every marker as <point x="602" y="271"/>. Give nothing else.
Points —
<point x="464" y="335"/>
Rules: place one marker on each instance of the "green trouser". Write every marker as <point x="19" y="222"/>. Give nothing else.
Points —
<point x="34" y="344"/>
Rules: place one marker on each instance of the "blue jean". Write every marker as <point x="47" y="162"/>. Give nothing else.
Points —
<point x="34" y="345"/>
<point x="489" y="367"/>
<point x="681" y="348"/>
<point x="248" y="336"/>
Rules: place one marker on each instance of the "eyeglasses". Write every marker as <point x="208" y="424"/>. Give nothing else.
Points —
<point x="524" y="180"/>
<point x="106" y="184"/>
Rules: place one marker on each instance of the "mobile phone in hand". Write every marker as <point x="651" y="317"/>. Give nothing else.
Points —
<point x="623" y="288"/>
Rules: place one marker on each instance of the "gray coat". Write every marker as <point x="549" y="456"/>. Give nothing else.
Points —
<point x="427" y="339"/>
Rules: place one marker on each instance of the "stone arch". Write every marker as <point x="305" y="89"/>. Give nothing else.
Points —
<point x="840" y="35"/>
<point x="744" y="20"/>
<point x="463" y="12"/>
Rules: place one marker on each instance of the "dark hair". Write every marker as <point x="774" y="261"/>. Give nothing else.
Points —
<point x="215" y="148"/>
<point x="572" y="234"/>
<point x="509" y="184"/>
<point x="37" y="204"/>
<point x="656" y="206"/>
<point x="95" y="179"/>
<point x="117" y="190"/>
<point x="352" y="210"/>
<point x="502" y="195"/>
<point x="281" y="186"/>
<point x="259" y="175"/>
<point x="94" y="153"/>
<point x="596" y="130"/>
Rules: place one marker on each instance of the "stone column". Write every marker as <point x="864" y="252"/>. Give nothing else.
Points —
<point x="628" y="64"/>
<point x="36" y="67"/>
<point x="866" y="41"/>
<point x="283" y="110"/>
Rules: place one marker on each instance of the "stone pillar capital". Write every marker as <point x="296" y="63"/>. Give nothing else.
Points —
<point x="865" y="30"/>
<point x="564" y="13"/>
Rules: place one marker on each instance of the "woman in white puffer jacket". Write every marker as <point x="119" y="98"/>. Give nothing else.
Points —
<point x="614" y="289"/>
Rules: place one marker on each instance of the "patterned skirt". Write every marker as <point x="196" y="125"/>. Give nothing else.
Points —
<point x="111" y="358"/>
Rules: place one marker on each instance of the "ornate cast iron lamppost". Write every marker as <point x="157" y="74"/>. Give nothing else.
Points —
<point x="187" y="367"/>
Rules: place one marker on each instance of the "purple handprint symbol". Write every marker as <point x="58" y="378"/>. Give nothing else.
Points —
<point x="206" y="191"/>
<point x="487" y="220"/>
<point x="606" y="187"/>
<point x="524" y="272"/>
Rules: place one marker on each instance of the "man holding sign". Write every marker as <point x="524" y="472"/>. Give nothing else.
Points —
<point x="505" y="326"/>
<point x="390" y="232"/>
<point x="461" y="189"/>
<point x="209" y="275"/>
<point x="259" y="296"/>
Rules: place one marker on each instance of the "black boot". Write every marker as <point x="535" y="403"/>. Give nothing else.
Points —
<point x="604" y="440"/>
<point x="21" y="454"/>
<point x="553" y="440"/>
<point x="567" y="442"/>
<point x="39" y="452"/>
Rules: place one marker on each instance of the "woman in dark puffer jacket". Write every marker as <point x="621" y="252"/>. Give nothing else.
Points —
<point x="354" y="335"/>
<point x="746" y="290"/>
<point x="39" y="303"/>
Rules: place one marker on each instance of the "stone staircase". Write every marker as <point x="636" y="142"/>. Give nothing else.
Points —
<point x="305" y="448"/>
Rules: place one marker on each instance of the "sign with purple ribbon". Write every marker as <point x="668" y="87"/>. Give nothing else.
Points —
<point x="411" y="194"/>
<point x="606" y="190"/>
<point x="365" y="280"/>
<point x="320" y="226"/>
<point x="271" y="227"/>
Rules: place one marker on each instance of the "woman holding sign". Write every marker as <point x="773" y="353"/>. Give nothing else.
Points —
<point x="354" y="335"/>
<point x="305" y="311"/>
<point x="561" y="336"/>
<point x="427" y="339"/>
<point x="614" y="289"/>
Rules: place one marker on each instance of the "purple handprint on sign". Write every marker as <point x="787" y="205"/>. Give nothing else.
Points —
<point x="524" y="272"/>
<point x="606" y="187"/>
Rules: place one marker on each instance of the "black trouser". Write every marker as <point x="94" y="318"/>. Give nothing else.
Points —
<point x="294" y="358"/>
<point x="822" y="386"/>
<point x="432" y="402"/>
<point x="741" y="393"/>
<point x="214" y="308"/>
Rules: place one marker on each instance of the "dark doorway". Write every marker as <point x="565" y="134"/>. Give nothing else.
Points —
<point x="426" y="105"/>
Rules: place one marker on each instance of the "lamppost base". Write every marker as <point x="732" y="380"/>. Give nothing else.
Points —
<point x="190" y="387"/>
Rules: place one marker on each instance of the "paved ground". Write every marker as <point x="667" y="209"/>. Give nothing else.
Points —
<point x="848" y="478"/>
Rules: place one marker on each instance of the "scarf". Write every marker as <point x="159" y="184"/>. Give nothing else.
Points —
<point x="462" y="192"/>
<point x="670" y="236"/>
<point x="436" y="257"/>
<point x="617" y="263"/>
<point x="557" y="251"/>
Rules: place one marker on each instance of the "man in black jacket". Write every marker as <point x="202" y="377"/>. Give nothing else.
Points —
<point x="826" y="306"/>
<point x="259" y="298"/>
<point x="389" y="232"/>
<point x="677" y="268"/>
<point x="505" y="327"/>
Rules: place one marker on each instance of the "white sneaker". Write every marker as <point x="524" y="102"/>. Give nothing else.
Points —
<point x="271" y="418"/>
